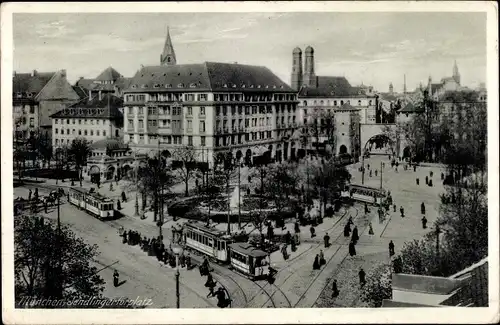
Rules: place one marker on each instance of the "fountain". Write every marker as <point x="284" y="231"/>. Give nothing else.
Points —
<point x="235" y="199"/>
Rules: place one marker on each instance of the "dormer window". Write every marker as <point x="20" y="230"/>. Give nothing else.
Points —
<point x="193" y="85"/>
<point x="258" y="86"/>
<point x="144" y="86"/>
<point x="225" y="86"/>
<point x="251" y="86"/>
<point x="234" y="85"/>
<point x="134" y="86"/>
<point x="274" y="86"/>
<point x="168" y="86"/>
<point x="281" y="87"/>
<point x="267" y="86"/>
<point x="30" y="95"/>
<point x="164" y="74"/>
<point x="156" y="86"/>
<point x="243" y="86"/>
<point x="181" y="85"/>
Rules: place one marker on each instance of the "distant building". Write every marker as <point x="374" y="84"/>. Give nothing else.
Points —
<point x="109" y="81"/>
<point x="319" y="95"/>
<point x="436" y="90"/>
<point x="211" y="107"/>
<point x="96" y="118"/>
<point x="36" y="96"/>
<point x="110" y="158"/>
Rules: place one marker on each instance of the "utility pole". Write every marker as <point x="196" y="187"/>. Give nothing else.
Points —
<point x="239" y="194"/>
<point x="136" y="214"/>
<point x="59" y="262"/>
<point x="381" y="172"/>
<point x="363" y="168"/>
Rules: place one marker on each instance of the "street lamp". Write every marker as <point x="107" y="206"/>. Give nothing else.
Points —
<point x="177" y="249"/>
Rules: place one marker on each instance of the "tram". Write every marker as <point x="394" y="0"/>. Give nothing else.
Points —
<point x="364" y="194"/>
<point x="250" y="261"/>
<point x="92" y="202"/>
<point x="209" y="241"/>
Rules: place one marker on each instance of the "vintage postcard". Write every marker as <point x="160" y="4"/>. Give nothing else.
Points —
<point x="210" y="162"/>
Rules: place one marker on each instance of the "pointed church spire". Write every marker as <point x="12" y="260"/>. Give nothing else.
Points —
<point x="456" y="74"/>
<point x="168" y="55"/>
<point x="404" y="85"/>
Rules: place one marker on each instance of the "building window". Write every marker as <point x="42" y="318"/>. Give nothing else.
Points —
<point x="141" y="124"/>
<point x="92" y="132"/>
<point x="104" y="133"/>
<point x="80" y="122"/>
<point x="85" y="132"/>
<point x="91" y="122"/>
<point x="32" y="122"/>
<point x="97" y="132"/>
<point x="202" y="141"/>
<point x="73" y="131"/>
<point x="370" y="102"/>
<point x="74" y="121"/>
<point x="190" y="140"/>
<point x="131" y="123"/>
<point x="190" y="125"/>
<point x="359" y="102"/>
<point x="141" y="110"/>
<point x="79" y="132"/>
<point x="202" y="110"/>
<point x="56" y="121"/>
<point x="189" y="110"/>
<point x="57" y="142"/>
<point x="57" y="131"/>
<point x="202" y="126"/>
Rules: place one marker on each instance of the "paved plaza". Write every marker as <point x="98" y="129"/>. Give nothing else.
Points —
<point x="297" y="284"/>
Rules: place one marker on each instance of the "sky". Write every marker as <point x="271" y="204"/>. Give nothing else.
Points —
<point x="373" y="48"/>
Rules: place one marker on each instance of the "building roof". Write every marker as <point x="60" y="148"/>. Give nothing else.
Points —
<point x="111" y="143"/>
<point x="30" y="82"/>
<point x="208" y="76"/>
<point x="85" y="83"/>
<point x="80" y="92"/>
<point x="108" y="74"/>
<point x="245" y="248"/>
<point x="108" y="107"/>
<point x="347" y="107"/>
<point x="332" y="87"/>
<point x="411" y="108"/>
<point x="123" y="82"/>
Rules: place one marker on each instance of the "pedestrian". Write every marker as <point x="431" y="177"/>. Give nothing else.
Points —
<point x="370" y="231"/>
<point x="284" y="252"/>
<point x="297" y="227"/>
<point x="270" y="232"/>
<point x="347" y="230"/>
<point x="313" y="232"/>
<point x="418" y="181"/>
<point x="396" y="169"/>
<point x="394" y="207"/>
<point x="188" y="261"/>
<point x="362" y="277"/>
<point x="426" y="180"/>
<point x="45" y="205"/>
<point x="376" y="172"/>
<point x="351" y="222"/>
<point x="326" y="240"/>
<point x="391" y="248"/>
<point x="221" y="298"/>
<point x="124" y="197"/>
<point x="210" y="281"/>
<point x="322" y="260"/>
<point x="422" y="208"/>
<point x="116" y="278"/>
<point x="442" y="176"/>
<point x="402" y="210"/>
<point x="431" y="173"/>
<point x="368" y="166"/>
<point x="316" y="265"/>
<point x="415" y="168"/>
<point x="288" y="238"/>
<point x="29" y="195"/>
<point x="124" y="237"/>
<point x="366" y="209"/>
<point x="352" y="249"/>
<point x="355" y="236"/>
<point x="36" y="194"/>
<point x="370" y="173"/>
<point x="211" y="291"/>
<point x="118" y="205"/>
<point x="335" y="289"/>
<point x="430" y="183"/>
<point x="424" y="222"/>
<point x="294" y="245"/>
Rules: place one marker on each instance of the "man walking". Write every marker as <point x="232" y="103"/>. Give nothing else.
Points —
<point x="362" y="277"/>
<point x="391" y="249"/>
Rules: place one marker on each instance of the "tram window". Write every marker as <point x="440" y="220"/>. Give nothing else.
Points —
<point x="218" y="245"/>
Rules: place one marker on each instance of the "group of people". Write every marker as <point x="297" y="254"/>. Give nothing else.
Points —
<point x="156" y="247"/>
<point x="319" y="260"/>
<point x="222" y="300"/>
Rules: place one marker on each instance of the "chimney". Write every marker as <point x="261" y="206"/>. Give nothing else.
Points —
<point x="35" y="73"/>
<point x="90" y="96"/>
<point x="100" y="96"/>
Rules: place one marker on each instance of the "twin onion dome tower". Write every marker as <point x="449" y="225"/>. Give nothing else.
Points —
<point x="307" y="77"/>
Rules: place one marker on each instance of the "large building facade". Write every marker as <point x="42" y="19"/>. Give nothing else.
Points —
<point x="331" y="98"/>
<point x="210" y="107"/>
<point x="96" y="118"/>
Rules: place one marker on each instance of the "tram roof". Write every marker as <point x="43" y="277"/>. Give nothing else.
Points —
<point x="202" y="227"/>
<point x="247" y="249"/>
<point x="378" y="190"/>
<point x="93" y="194"/>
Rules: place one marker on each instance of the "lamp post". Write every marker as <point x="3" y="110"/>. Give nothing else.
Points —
<point x="136" y="213"/>
<point x="177" y="249"/>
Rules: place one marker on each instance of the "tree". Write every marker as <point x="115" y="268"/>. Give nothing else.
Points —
<point x="329" y="179"/>
<point x="62" y="158"/>
<point x="49" y="263"/>
<point x="378" y="286"/>
<point x="281" y="183"/>
<point x="155" y="181"/>
<point x="225" y="166"/>
<point x="79" y="151"/>
<point x="187" y="156"/>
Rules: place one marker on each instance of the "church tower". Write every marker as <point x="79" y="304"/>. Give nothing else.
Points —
<point x="168" y="55"/>
<point x="391" y="88"/>
<point x="456" y="74"/>
<point x="309" y="75"/>
<point x="297" y="69"/>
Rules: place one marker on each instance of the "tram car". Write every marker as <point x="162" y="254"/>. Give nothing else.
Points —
<point x="93" y="203"/>
<point x="222" y="248"/>
<point x="366" y="194"/>
<point x="250" y="261"/>
<point x="209" y="241"/>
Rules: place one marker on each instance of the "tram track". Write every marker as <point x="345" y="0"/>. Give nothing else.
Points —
<point x="296" y="259"/>
<point x="243" y="294"/>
